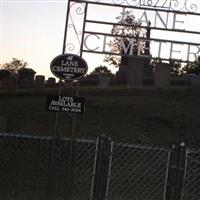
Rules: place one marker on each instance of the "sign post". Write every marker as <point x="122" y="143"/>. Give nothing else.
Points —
<point x="67" y="67"/>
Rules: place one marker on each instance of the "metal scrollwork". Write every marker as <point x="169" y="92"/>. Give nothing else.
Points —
<point x="80" y="10"/>
<point x="173" y="5"/>
<point x="79" y="32"/>
<point x="70" y="25"/>
<point x="150" y="3"/>
<point x="77" y="11"/>
<point x="70" y="47"/>
<point x="191" y="7"/>
<point x="176" y="5"/>
<point x="120" y="2"/>
<point x="134" y="2"/>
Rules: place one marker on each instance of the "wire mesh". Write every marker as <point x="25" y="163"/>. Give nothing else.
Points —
<point x="84" y="155"/>
<point x="137" y="173"/>
<point x="38" y="168"/>
<point x="192" y="180"/>
<point x="24" y="164"/>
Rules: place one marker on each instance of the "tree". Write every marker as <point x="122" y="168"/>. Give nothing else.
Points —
<point x="14" y="65"/>
<point x="4" y="74"/>
<point x="192" y="68"/>
<point x="102" y="70"/>
<point x="175" y="67"/>
<point x="130" y="43"/>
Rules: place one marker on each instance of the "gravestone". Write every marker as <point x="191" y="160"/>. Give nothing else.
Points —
<point x="162" y="76"/>
<point x="133" y="73"/>
<point x="195" y="83"/>
<point x="39" y="82"/>
<point x="51" y="82"/>
<point x="104" y="80"/>
<point x="26" y="77"/>
<point x="12" y="83"/>
<point x="3" y="122"/>
<point x="121" y="74"/>
<point x="5" y="77"/>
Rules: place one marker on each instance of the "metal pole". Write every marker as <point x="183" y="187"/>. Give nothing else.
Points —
<point x="71" y="153"/>
<point x="166" y="177"/>
<point x="83" y="30"/>
<point x="171" y="178"/>
<point x="66" y="25"/>
<point x="109" y="169"/>
<point x="181" y="171"/>
<point x="55" y="135"/>
<point x="52" y="159"/>
<point x="94" y="169"/>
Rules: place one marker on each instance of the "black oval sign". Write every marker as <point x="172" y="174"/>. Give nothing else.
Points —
<point x="68" y="67"/>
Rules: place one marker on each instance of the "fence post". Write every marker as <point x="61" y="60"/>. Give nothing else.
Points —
<point x="176" y="173"/>
<point x="171" y="179"/>
<point x="181" y="164"/>
<point x="101" y="169"/>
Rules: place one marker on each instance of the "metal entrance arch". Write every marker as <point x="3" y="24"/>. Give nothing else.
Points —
<point x="89" y="23"/>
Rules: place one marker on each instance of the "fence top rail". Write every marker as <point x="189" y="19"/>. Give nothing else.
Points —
<point x="33" y="137"/>
<point x="85" y="140"/>
<point x="93" y="140"/>
<point x="140" y="146"/>
<point x="24" y="136"/>
<point x="194" y="151"/>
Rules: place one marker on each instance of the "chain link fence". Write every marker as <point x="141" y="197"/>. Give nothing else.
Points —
<point x="46" y="168"/>
<point x="24" y="167"/>
<point x="82" y="168"/>
<point x="192" y="178"/>
<point x="38" y="168"/>
<point x="138" y="172"/>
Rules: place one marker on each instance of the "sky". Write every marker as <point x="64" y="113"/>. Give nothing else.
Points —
<point x="33" y="30"/>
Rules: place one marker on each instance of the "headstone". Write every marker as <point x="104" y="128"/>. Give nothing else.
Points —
<point x="121" y="74"/>
<point x="162" y="76"/>
<point x="26" y="77"/>
<point x="195" y="83"/>
<point x="3" y="122"/>
<point x="134" y="71"/>
<point x="12" y="84"/>
<point x="5" y="76"/>
<point x="51" y="82"/>
<point x="39" y="82"/>
<point x="104" y="80"/>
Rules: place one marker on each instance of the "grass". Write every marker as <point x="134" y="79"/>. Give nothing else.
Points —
<point x="139" y="116"/>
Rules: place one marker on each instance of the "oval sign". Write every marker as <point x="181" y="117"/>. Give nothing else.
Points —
<point x="68" y="67"/>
